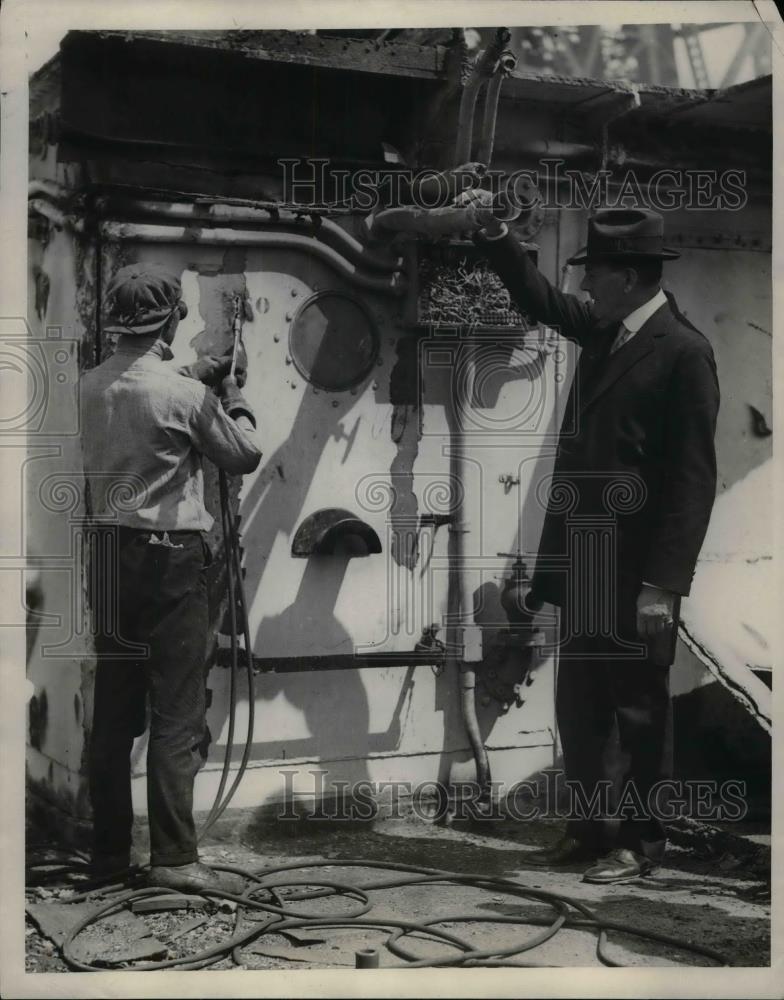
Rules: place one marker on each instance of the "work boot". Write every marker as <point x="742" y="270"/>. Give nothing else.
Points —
<point x="620" y="865"/>
<point x="194" y="877"/>
<point x="567" y="851"/>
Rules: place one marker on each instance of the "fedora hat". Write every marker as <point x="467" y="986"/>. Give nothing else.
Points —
<point x="142" y="298"/>
<point x="618" y="233"/>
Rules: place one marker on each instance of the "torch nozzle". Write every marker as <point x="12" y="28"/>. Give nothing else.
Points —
<point x="236" y="327"/>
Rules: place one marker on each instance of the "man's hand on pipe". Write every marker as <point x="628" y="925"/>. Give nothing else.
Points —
<point x="655" y="609"/>
<point x="482" y="201"/>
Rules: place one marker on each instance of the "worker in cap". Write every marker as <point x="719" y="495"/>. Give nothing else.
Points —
<point x="145" y="427"/>
<point x="630" y="498"/>
<point x="142" y="299"/>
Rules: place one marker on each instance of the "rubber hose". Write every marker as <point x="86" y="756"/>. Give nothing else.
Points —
<point x="227" y="547"/>
<point x="282" y="918"/>
<point x="219" y="807"/>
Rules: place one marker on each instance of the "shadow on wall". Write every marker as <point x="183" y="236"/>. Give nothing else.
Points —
<point x="272" y="509"/>
<point x="334" y="707"/>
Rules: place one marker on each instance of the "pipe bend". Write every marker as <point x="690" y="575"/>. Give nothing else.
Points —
<point x="471" y="723"/>
<point x="220" y="212"/>
<point x="142" y="232"/>
<point x="355" y="251"/>
<point x="55" y="215"/>
<point x="48" y="189"/>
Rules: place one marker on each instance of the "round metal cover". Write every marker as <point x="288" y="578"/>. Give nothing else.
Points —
<point x="333" y="341"/>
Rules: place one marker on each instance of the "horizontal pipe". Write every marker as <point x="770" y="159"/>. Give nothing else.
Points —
<point x="436" y="222"/>
<point x="425" y="221"/>
<point x="149" y="233"/>
<point x="299" y="664"/>
<point x="220" y="212"/>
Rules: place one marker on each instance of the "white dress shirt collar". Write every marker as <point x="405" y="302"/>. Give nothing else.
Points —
<point x="643" y="313"/>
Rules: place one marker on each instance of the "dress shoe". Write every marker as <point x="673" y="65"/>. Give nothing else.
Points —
<point x="194" y="877"/>
<point x="567" y="851"/>
<point x="620" y="865"/>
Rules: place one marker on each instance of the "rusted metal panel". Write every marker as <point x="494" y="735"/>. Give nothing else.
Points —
<point x="45" y="85"/>
<point x="540" y="118"/>
<point x="298" y="47"/>
<point x="702" y="238"/>
<point x="199" y="116"/>
<point x="745" y="106"/>
<point x="161" y="98"/>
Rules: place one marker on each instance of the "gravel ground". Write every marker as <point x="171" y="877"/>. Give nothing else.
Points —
<point x="721" y="902"/>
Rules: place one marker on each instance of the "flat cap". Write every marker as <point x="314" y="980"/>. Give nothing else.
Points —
<point x="142" y="298"/>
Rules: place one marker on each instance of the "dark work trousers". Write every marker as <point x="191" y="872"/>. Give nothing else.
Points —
<point x="154" y="595"/>
<point x="597" y="698"/>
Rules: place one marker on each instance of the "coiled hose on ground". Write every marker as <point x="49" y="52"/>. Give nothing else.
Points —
<point x="112" y="898"/>
<point x="263" y="894"/>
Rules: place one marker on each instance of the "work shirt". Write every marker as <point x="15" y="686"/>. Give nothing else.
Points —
<point x="144" y="428"/>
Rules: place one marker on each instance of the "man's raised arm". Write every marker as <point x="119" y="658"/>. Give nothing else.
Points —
<point x="534" y="294"/>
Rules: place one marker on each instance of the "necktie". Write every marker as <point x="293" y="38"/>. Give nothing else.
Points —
<point x="620" y="338"/>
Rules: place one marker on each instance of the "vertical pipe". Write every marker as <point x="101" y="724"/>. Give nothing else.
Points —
<point x="465" y="647"/>
<point x="465" y="121"/>
<point x="562" y="275"/>
<point x="489" y="119"/>
<point x="492" y="60"/>
<point x="98" y="293"/>
<point x="464" y="644"/>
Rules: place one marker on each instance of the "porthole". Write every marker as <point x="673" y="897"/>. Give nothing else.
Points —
<point x="333" y="341"/>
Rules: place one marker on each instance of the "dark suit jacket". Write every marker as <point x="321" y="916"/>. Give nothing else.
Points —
<point x="636" y="450"/>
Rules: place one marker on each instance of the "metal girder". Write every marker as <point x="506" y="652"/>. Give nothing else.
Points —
<point x="754" y="33"/>
<point x="696" y="57"/>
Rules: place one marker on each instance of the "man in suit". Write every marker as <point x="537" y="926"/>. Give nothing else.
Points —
<point x="629" y="502"/>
